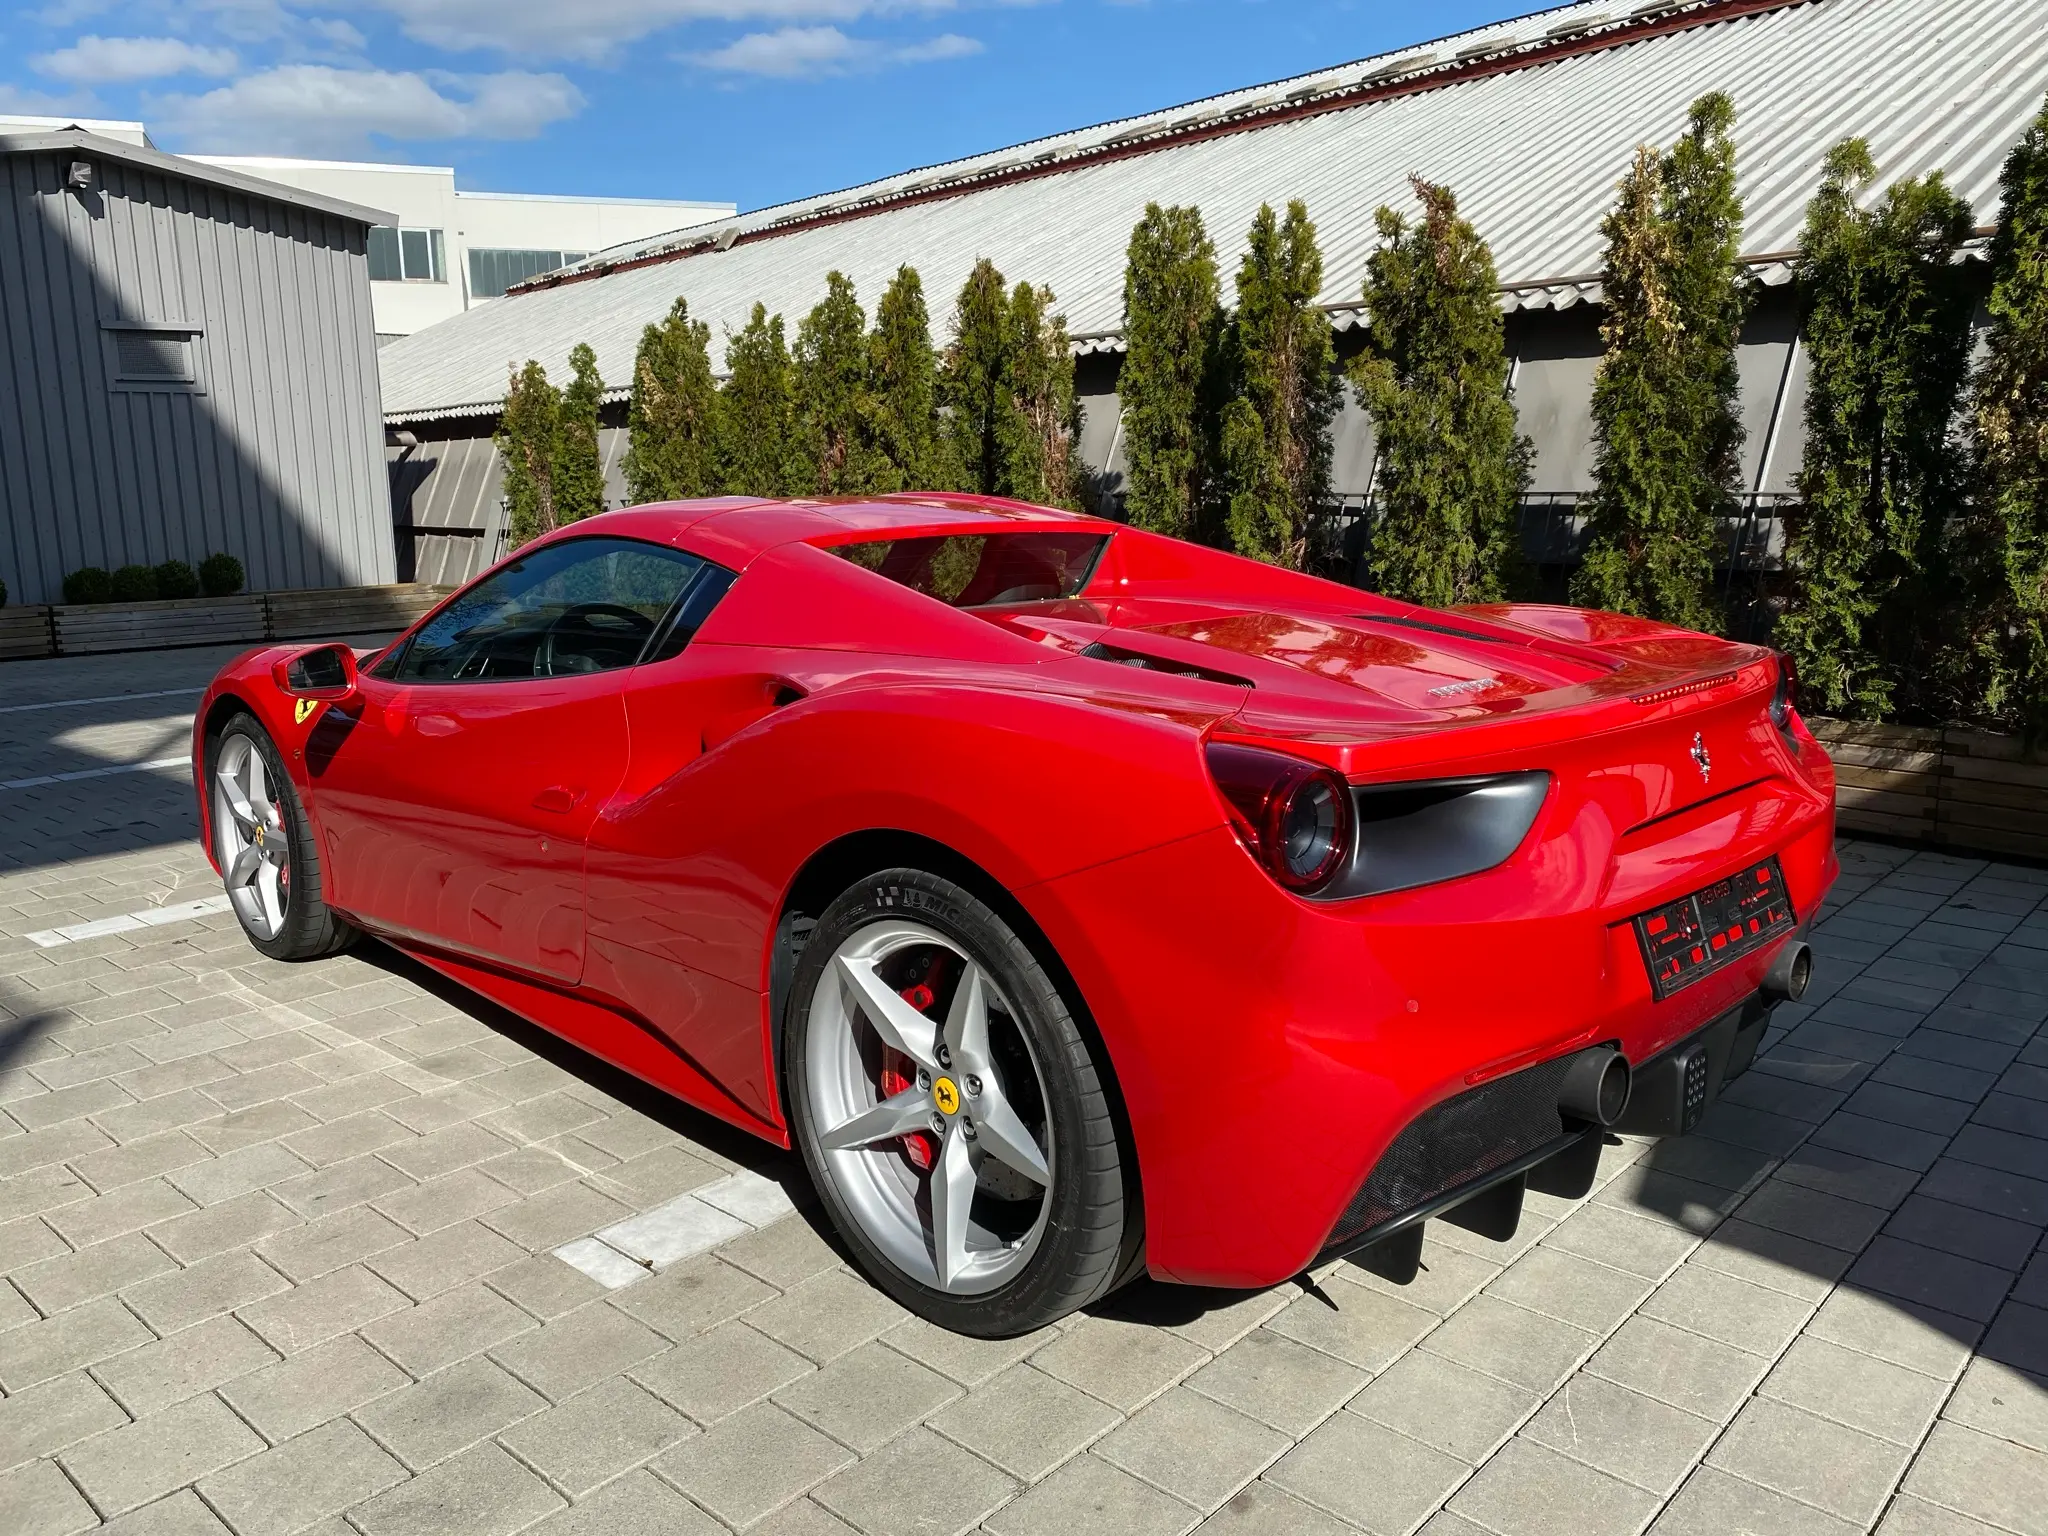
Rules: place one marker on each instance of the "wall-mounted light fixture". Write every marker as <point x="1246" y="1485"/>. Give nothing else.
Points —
<point x="81" y="175"/>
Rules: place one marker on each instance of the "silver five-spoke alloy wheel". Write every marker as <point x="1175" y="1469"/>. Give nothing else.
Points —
<point x="930" y="1108"/>
<point x="250" y="839"/>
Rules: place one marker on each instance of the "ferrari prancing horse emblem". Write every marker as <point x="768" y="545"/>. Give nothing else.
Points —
<point x="1702" y="759"/>
<point x="302" y="709"/>
<point x="945" y="1095"/>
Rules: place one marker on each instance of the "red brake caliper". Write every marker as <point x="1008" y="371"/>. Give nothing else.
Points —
<point x="899" y="1074"/>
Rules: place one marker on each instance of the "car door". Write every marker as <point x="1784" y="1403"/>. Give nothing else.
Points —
<point x="461" y="782"/>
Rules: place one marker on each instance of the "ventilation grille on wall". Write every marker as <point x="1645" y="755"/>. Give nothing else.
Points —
<point x="153" y="355"/>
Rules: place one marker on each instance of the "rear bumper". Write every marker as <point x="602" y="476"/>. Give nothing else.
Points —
<point x="1269" y="1051"/>
<point x="1486" y="1145"/>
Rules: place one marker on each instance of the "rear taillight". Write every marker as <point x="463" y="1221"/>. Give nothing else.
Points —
<point x="1295" y="817"/>
<point x="1785" y="700"/>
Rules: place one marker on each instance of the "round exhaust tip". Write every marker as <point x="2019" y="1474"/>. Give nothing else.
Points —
<point x="1787" y="979"/>
<point x="1597" y="1086"/>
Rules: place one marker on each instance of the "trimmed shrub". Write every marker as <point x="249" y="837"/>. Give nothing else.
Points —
<point x="1173" y="325"/>
<point x="1667" y="431"/>
<point x="579" y="467"/>
<point x="1434" y="376"/>
<point x="220" y="575"/>
<point x="529" y="427"/>
<point x="134" y="584"/>
<point x="672" y="420"/>
<point x="174" y="578"/>
<point x="90" y="585"/>
<point x="1282" y="367"/>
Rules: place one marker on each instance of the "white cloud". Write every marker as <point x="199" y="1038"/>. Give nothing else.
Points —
<point x="124" y="60"/>
<point x="317" y="109"/>
<point x="336" y="33"/>
<point x="792" y="53"/>
<point x="594" y="30"/>
<point x="42" y="104"/>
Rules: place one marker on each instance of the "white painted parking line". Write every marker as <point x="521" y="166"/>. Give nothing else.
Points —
<point x="607" y="1266"/>
<point x="95" y="773"/>
<point x="688" y="1225"/>
<point x="100" y="698"/>
<point x="754" y="1198"/>
<point x="128" y="922"/>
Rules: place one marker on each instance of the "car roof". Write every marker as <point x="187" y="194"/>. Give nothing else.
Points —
<point x="748" y="526"/>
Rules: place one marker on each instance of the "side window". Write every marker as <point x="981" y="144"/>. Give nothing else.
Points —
<point x="705" y="590"/>
<point x="585" y="605"/>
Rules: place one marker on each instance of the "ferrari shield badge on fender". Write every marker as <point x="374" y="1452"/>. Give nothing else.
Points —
<point x="1701" y="758"/>
<point x="303" y="709"/>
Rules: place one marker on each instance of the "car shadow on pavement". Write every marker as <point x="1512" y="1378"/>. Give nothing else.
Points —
<point x="704" y="1129"/>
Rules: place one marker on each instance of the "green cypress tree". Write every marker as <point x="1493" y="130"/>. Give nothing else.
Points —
<point x="1666" y="423"/>
<point x="579" y="468"/>
<point x="1433" y="374"/>
<point x="1173" y="322"/>
<point x="831" y="394"/>
<point x="2010" y="410"/>
<point x="1886" y="322"/>
<point x="903" y="421"/>
<point x="755" y="417"/>
<point x="1283" y="372"/>
<point x="672" y="420"/>
<point x="1040" y="464"/>
<point x="529" y="427"/>
<point x="975" y="385"/>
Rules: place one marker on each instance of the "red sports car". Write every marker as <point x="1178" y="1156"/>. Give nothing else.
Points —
<point x="1080" y="902"/>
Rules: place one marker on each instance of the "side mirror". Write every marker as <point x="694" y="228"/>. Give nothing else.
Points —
<point x="321" y="672"/>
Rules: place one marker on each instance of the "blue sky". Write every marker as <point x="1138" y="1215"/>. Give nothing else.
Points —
<point x="748" y="101"/>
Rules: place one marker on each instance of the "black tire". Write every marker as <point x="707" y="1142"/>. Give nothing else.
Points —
<point x="1093" y="1229"/>
<point x="312" y="930"/>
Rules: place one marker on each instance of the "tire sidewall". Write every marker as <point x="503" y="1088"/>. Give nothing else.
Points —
<point x="307" y="927"/>
<point x="1062" y="1272"/>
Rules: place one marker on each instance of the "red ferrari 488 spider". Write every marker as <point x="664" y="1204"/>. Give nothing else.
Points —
<point x="1080" y="902"/>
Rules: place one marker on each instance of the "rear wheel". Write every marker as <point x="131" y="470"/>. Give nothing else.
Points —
<point x="264" y="845"/>
<point x="951" y="1111"/>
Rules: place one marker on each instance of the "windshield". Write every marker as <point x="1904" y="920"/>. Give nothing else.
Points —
<point x="984" y="570"/>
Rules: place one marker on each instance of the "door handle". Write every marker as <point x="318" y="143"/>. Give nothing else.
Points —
<point x="558" y="798"/>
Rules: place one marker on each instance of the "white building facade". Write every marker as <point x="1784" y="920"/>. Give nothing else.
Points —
<point x="452" y="250"/>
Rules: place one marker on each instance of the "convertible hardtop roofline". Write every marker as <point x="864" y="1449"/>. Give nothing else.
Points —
<point x="745" y="527"/>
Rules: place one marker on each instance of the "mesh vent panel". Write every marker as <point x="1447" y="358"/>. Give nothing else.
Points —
<point x="1457" y="1141"/>
<point x="152" y="355"/>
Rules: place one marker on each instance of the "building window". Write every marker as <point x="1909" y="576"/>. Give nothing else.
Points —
<point x="405" y="255"/>
<point x="491" y="272"/>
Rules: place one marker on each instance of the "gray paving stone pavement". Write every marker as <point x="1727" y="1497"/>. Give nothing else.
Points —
<point x="335" y="1248"/>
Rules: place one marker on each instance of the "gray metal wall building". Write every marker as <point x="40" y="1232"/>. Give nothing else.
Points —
<point x="187" y="364"/>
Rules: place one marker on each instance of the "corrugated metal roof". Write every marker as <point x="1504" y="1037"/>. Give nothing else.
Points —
<point x="1533" y="140"/>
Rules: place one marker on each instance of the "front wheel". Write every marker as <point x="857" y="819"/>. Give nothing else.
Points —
<point x="950" y="1110"/>
<point x="264" y="845"/>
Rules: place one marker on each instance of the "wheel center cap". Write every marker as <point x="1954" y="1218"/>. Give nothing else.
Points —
<point x="945" y="1095"/>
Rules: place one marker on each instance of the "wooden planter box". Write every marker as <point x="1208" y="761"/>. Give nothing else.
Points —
<point x="1954" y="788"/>
<point x="251" y="617"/>
<point x="318" y="613"/>
<point x="25" y="631"/>
<point x="95" y="627"/>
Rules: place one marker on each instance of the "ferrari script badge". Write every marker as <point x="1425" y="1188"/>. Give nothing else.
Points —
<point x="302" y="709"/>
<point x="1701" y="758"/>
<point x="945" y="1095"/>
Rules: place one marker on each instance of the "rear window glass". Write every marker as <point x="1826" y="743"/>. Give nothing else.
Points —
<point x="984" y="570"/>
